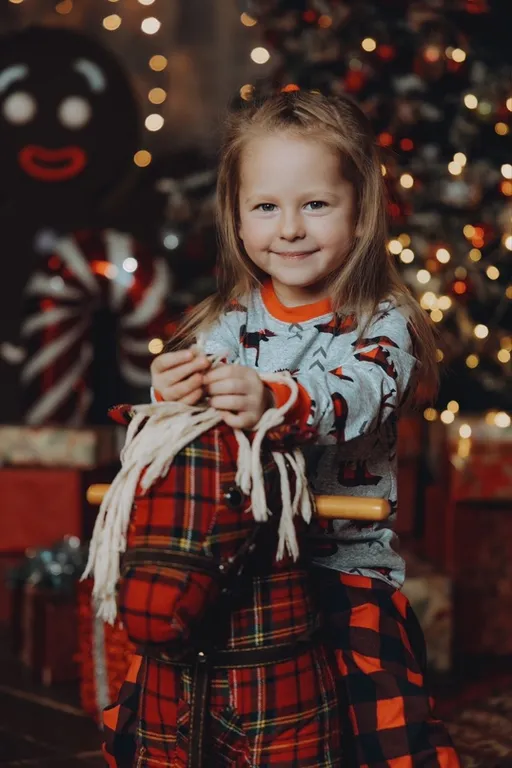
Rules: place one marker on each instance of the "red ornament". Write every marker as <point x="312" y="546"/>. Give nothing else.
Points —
<point x="354" y="81"/>
<point x="386" y="52"/>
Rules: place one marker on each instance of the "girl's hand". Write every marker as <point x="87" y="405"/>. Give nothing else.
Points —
<point x="239" y="392"/>
<point x="179" y="376"/>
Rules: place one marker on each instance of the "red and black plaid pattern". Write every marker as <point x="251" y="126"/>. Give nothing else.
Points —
<point x="381" y="657"/>
<point x="284" y="715"/>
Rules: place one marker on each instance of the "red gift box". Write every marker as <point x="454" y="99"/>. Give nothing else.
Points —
<point x="49" y="636"/>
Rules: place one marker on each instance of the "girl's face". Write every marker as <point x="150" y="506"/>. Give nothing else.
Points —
<point x="296" y="213"/>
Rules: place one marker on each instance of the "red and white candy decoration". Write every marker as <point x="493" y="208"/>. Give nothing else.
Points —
<point x="87" y="271"/>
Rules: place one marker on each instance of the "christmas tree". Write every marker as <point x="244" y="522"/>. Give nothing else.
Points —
<point x="435" y="79"/>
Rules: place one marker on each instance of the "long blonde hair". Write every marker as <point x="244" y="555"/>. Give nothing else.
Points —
<point x="369" y="274"/>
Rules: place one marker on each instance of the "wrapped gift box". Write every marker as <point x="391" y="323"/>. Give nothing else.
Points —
<point x="470" y="531"/>
<point x="85" y="448"/>
<point x="430" y="594"/>
<point x="49" y="636"/>
<point x="104" y="655"/>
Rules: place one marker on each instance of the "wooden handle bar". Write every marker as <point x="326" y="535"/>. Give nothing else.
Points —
<point x="331" y="507"/>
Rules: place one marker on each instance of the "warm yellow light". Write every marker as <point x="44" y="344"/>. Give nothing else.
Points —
<point x="443" y="256"/>
<point x="430" y="414"/>
<point x="324" y="22"/>
<point x="247" y="20"/>
<point x="428" y="300"/>
<point x="395" y="247"/>
<point x="461" y="273"/>
<point x="157" y="95"/>
<point x="458" y="55"/>
<point x="506" y="171"/>
<point x="247" y="92"/>
<point x="501" y="129"/>
<point x="368" y="44"/>
<point x="485" y="107"/>
<point x="404" y="239"/>
<point x="508" y="292"/>
<point x="469" y="231"/>
<point x="489" y="417"/>
<point x="444" y="302"/>
<point x="112" y="22"/>
<point x="475" y="254"/>
<point x="423" y="276"/>
<point x="453" y="406"/>
<point x="158" y="63"/>
<point x="509" y="104"/>
<point x="465" y="430"/>
<point x="460" y="158"/>
<point x="492" y="272"/>
<point x="502" y="420"/>
<point x="406" y="180"/>
<point x="506" y="343"/>
<point x="503" y="356"/>
<point x="481" y="331"/>
<point x="454" y="168"/>
<point x="64" y="7"/>
<point x="407" y="256"/>
<point x="436" y="315"/>
<point x="447" y="417"/>
<point x="142" y="158"/>
<point x="471" y="101"/>
<point x="151" y="25"/>
<point x="154" y="122"/>
<point x="472" y="361"/>
<point x="507" y="242"/>
<point x="146" y="2"/>
<point x="16" y="2"/>
<point x="383" y="169"/>
<point x="155" y="346"/>
<point x="439" y="355"/>
<point x="260" y="55"/>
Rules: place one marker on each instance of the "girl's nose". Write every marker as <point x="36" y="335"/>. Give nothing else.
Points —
<point x="291" y="226"/>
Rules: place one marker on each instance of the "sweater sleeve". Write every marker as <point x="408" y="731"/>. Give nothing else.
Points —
<point x="357" y="395"/>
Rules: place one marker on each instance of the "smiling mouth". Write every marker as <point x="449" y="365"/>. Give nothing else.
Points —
<point x="52" y="164"/>
<point x="294" y="254"/>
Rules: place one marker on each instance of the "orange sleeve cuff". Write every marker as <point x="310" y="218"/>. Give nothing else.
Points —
<point x="300" y="411"/>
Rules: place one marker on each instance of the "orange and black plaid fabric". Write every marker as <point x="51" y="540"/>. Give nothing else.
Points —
<point x="381" y="657"/>
<point x="282" y="715"/>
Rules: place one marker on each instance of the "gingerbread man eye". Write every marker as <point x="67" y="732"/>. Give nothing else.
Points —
<point x="19" y="108"/>
<point x="74" y="112"/>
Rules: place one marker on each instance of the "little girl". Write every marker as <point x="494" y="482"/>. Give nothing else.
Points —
<point x="307" y="285"/>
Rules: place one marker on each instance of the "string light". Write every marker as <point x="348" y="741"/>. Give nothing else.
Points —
<point x="157" y="95"/>
<point x="459" y="55"/>
<point x="155" y="346"/>
<point x="507" y="242"/>
<point x="506" y="171"/>
<point x="247" y="20"/>
<point x="423" y="276"/>
<point x="151" y="25"/>
<point x="368" y="44"/>
<point x="481" y="331"/>
<point x="443" y="256"/>
<point x="471" y="101"/>
<point x="502" y="420"/>
<point x="430" y="414"/>
<point x="395" y="247"/>
<point x="444" y="302"/>
<point x="428" y="300"/>
<point x="16" y="2"/>
<point x="453" y="406"/>
<point x="501" y="129"/>
<point x="64" y="7"/>
<point x="404" y="239"/>
<point x="475" y="254"/>
<point x="439" y="355"/>
<point x="324" y="22"/>
<point x="406" y="180"/>
<point x="142" y="158"/>
<point x="112" y="22"/>
<point x="247" y="92"/>
<point x="260" y="55"/>
<point x="460" y="158"/>
<point x="447" y="417"/>
<point x="157" y="63"/>
<point x="407" y="256"/>
<point x="503" y="356"/>
<point x="455" y="168"/>
<point x="465" y="431"/>
<point x="509" y="104"/>
<point x="436" y="315"/>
<point x="472" y="361"/>
<point x="146" y="2"/>
<point x="154" y="122"/>
<point x="492" y="272"/>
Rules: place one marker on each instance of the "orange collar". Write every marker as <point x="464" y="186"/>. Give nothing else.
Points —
<point x="292" y="314"/>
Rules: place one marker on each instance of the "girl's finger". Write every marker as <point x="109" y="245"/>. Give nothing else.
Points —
<point x="171" y="360"/>
<point x="224" y="372"/>
<point x="194" y="397"/>
<point x="182" y="388"/>
<point x="235" y="420"/>
<point x="181" y="372"/>
<point x="226" y="387"/>
<point x="233" y="403"/>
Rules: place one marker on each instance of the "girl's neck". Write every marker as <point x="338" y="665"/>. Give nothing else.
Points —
<point x="291" y="296"/>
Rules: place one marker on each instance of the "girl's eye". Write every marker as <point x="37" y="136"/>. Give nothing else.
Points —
<point x="266" y="207"/>
<point x="316" y="205"/>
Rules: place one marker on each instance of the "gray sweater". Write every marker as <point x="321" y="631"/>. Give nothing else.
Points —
<point x="351" y="389"/>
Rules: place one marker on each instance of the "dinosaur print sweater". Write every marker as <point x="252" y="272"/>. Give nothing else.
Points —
<point x="350" y="390"/>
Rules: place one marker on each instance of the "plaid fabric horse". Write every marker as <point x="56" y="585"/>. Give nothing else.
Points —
<point x="232" y="669"/>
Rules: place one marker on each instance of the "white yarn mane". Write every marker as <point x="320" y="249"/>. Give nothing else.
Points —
<point x="148" y="454"/>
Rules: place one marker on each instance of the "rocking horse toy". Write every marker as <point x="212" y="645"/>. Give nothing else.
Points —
<point x="214" y="528"/>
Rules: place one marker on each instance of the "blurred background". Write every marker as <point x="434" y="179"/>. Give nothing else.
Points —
<point x="110" y="117"/>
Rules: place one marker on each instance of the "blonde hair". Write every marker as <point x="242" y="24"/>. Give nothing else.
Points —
<point x="369" y="274"/>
